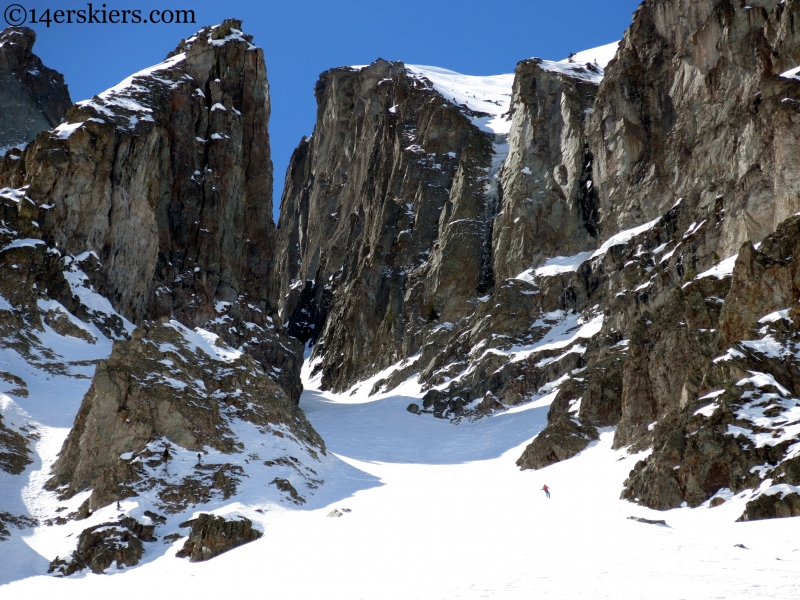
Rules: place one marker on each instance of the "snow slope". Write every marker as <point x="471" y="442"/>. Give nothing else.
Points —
<point x="57" y="370"/>
<point x="490" y="94"/>
<point x="600" y="56"/>
<point x="454" y="518"/>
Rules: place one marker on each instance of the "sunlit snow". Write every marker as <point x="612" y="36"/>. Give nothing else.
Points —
<point x="490" y="94"/>
<point x="453" y="517"/>
<point x="588" y="65"/>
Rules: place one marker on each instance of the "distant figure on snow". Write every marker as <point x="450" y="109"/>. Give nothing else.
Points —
<point x="546" y="490"/>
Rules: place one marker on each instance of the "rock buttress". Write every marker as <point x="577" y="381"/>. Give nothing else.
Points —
<point x="548" y="206"/>
<point x="693" y="108"/>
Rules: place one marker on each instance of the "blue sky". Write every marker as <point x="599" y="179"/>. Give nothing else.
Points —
<point x="302" y="38"/>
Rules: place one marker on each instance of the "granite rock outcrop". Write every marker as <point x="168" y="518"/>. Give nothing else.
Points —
<point x="641" y="260"/>
<point x="160" y="398"/>
<point x="693" y="107"/>
<point x="383" y="219"/>
<point x="549" y="202"/>
<point x="210" y="536"/>
<point x="99" y="547"/>
<point x="137" y="238"/>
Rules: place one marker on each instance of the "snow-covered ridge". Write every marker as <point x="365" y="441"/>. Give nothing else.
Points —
<point x="129" y="95"/>
<point x="490" y="94"/>
<point x="236" y="35"/>
<point x="588" y="65"/>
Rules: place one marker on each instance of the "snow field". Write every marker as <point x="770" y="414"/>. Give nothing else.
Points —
<point x="452" y="517"/>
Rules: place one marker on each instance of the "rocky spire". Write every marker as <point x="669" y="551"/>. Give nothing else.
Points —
<point x="33" y="98"/>
<point x="167" y="178"/>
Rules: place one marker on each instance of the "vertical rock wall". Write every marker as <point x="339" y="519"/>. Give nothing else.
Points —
<point x="549" y="205"/>
<point x="693" y="108"/>
<point x="382" y="218"/>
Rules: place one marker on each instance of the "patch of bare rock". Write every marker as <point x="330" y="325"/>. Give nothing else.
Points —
<point x="210" y="536"/>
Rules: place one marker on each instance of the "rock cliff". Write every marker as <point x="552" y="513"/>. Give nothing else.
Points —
<point x="614" y="236"/>
<point x="498" y="178"/>
<point x="33" y="98"/>
<point x="162" y="397"/>
<point x="549" y="203"/>
<point x="386" y="216"/>
<point x="692" y="133"/>
<point x="615" y="198"/>
<point x="693" y="108"/>
<point x="167" y="178"/>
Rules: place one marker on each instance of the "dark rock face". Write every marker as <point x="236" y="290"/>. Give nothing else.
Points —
<point x="211" y="536"/>
<point x="167" y="177"/>
<point x="383" y="219"/>
<point x="392" y="244"/>
<point x="772" y="507"/>
<point x="582" y="404"/>
<point x="669" y="356"/>
<point x="33" y="98"/>
<point x="686" y="149"/>
<point x="563" y="439"/>
<point x="14" y="450"/>
<point x="17" y="521"/>
<point x="730" y="426"/>
<point x="157" y="194"/>
<point x="287" y="488"/>
<point x="99" y="547"/>
<point x="667" y="337"/>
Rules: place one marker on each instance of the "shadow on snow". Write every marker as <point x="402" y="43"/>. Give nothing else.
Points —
<point x="384" y="431"/>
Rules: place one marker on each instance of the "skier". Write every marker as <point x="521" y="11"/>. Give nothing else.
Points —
<point x="546" y="490"/>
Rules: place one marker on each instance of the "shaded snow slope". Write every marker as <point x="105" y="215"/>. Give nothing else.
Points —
<point x="454" y="518"/>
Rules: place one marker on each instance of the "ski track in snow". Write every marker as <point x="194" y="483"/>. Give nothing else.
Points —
<point x="453" y="517"/>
